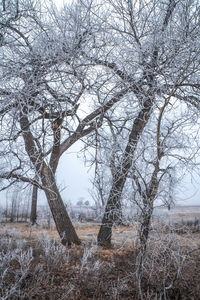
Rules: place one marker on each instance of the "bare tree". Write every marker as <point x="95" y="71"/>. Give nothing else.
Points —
<point x="33" y="214"/>
<point x="45" y="84"/>
<point x="164" y="147"/>
<point x="160" y="58"/>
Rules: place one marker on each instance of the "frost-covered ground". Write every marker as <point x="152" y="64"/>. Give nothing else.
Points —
<point x="178" y="211"/>
<point x="34" y="265"/>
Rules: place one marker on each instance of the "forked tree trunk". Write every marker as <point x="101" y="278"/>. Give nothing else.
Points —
<point x="33" y="215"/>
<point x="119" y="179"/>
<point x="4" y="5"/>
<point x="105" y="233"/>
<point x="148" y="198"/>
<point x="63" y="223"/>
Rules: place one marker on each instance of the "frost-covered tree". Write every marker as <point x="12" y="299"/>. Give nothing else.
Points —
<point x="168" y="147"/>
<point x="63" y="75"/>
<point x="34" y="200"/>
<point x="154" y="52"/>
<point x="50" y="96"/>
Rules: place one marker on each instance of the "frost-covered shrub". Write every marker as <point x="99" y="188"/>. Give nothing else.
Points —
<point x="15" y="263"/>
<point x="52" y="253"/>
<point x="166" y="263"/>
<point x="85" y="260"/>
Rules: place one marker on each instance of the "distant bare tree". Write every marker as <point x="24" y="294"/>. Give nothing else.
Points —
<point x="14" y="207"/>
<point x="33" y="214"/>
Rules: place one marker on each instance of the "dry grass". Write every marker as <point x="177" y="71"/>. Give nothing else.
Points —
<point x="34" y="265"/>
<point x="122" y="236"/>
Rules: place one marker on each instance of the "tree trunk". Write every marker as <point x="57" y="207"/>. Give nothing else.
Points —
<point x="33" y="216"/>
<point x="119" y="179"/>
<point x="105" y="233"/>
<point x="144" y="229"/>
<point x="112" y="214"/>
<point x="63" y="223"/>
<point x="143" y="236"/>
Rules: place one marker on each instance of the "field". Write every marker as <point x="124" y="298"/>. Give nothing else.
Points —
<point x="34" y="265"/>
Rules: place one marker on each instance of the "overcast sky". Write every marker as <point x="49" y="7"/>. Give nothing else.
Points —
<point x="74" y="179"/>
<point x="74" y="176"/>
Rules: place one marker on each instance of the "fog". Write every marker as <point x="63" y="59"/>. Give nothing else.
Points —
<point x="74" y="179"/>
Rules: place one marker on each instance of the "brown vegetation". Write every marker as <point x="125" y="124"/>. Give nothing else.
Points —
<point x="34" y="265"/>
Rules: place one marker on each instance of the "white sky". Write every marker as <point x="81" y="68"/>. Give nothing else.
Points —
<point x="74" y="175"/>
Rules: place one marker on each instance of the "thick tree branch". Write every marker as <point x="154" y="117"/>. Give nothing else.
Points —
<point x="30" y="147"/>
<point x="170" y="9"/>
<point x="81" y="131"/>
<point x="18" y="177"/>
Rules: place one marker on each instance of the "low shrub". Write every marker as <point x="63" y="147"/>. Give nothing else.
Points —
<point x="44" y="269"/>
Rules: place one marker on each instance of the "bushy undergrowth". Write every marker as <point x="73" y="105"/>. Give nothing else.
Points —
<point x="15" y="261"/>
<point x="171" y="268"/>
<point x="180" y="227"/>
<point x="44" y="269"/>
<point x="187" y="225"/>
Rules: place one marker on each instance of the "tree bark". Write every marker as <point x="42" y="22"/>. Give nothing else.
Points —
<point x="143" y="237"/>
<point x="105" y="233"/>
<point x="112" y="215"/>
<point x="33" y="215"/>
<point x="145" y="227"/>
<point x="63" y="223"/>
<point x="114" y="200"/>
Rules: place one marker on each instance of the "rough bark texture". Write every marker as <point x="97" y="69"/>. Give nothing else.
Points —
<point x="143" y="236"/>
<point x="145" y="227"/>
<point x="105" y="233"/>
<point x="113" y="204"/>
<point x="33" y="215"/>
<point x="63" y="223"/>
